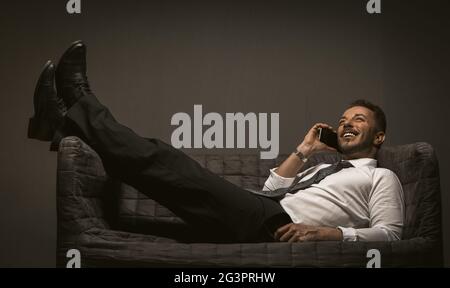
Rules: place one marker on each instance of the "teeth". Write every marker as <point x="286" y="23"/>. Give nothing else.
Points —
<point x="348" y="134"/>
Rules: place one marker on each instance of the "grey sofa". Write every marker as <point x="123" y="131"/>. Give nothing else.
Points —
<point x="112" y="224"/>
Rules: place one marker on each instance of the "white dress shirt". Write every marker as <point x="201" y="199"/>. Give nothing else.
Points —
<point x="364" y="201"/>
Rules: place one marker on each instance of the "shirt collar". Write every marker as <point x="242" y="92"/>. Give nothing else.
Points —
<point x="363" y="162"/>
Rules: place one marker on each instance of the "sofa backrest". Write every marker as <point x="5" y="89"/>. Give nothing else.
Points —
<point x="84" y="186"/>
<point x="417" y="167"/>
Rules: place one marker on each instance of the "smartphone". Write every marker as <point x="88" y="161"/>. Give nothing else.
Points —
<point x="329" y="137"/>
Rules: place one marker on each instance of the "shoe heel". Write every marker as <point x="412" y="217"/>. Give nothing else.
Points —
<point x="40" y="130"/>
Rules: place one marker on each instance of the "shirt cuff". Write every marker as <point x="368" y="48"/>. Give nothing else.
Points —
<point x="276" y="181"/>
<point x="348" y="234"/>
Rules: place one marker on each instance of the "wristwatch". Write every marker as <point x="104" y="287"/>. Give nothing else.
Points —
<point x="300" y="156"/>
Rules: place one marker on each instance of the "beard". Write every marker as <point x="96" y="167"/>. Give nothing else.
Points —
<point x="348" y="149"/>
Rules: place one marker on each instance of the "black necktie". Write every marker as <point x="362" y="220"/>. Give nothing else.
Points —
<point x="297" y="185"/>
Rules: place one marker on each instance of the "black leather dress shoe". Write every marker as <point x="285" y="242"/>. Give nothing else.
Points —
<point x="49" y="109"/>
<point x="71" y="79"/>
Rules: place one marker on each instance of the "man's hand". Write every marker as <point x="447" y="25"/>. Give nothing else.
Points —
<point x="290" y="167"/>
<point x="311" y="142"/>
<point x="300" y="233"/>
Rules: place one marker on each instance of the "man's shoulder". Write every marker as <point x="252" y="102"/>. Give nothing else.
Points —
<point x="384" y="171"/>
<point x="385" y="174"/>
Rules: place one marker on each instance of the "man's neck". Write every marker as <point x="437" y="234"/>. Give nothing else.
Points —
<point x="361" y="154"/>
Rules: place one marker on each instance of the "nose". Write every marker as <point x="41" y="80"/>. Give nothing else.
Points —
<point x="347" y="124"/>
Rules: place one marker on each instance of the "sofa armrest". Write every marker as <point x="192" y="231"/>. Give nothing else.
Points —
<point x="81" y="185"/>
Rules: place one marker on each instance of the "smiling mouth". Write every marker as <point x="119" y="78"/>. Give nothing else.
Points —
<point x="349" y="134"/>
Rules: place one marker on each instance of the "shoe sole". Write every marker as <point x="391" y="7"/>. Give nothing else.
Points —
<point x="46" y="66"/>
<point x="42" y="129"/>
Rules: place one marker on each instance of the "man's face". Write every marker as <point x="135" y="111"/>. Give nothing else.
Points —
<point x="357" y="132"/>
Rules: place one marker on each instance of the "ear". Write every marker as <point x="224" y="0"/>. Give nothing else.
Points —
<point x="379" y="138"/>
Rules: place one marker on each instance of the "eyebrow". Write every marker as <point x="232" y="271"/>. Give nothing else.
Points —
<point x="356" y="115"/>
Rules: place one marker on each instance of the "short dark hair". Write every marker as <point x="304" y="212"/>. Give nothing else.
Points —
<point x="380" y="117"/>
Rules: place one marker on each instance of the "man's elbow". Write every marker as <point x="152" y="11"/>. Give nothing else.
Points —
<point x="392" y="234"/>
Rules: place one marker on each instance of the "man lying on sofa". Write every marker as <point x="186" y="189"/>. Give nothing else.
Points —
<point x="351" y="200"/>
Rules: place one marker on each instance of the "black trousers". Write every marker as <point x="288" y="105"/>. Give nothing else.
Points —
<point x="223" y="211"/>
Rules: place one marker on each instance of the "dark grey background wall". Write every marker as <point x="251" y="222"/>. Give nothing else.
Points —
<point x="150" y="59"/>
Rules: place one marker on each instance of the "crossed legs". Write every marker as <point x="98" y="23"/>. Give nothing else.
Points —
<point x="223" y="211"/>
